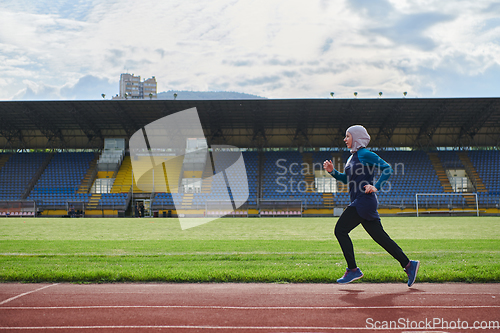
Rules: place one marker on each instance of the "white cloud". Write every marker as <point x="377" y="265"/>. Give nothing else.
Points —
<point x="276" y="49"/>
<point x="35" y="91"/>
<point x="87" y="87"/>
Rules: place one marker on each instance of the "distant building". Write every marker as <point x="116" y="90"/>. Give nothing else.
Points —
<point x="132" y="87"/>
<point x="149" y="87"/>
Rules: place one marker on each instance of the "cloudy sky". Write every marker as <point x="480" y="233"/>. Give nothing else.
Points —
<point x="77" y="49"/>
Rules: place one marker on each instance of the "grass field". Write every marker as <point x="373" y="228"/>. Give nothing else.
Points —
<point x="463" y="249"/>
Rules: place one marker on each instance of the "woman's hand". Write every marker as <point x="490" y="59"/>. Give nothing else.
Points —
<point x="370" y="189"/>
<point x="328" y="166"/>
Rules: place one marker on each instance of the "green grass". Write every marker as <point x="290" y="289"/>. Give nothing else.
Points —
<point x="241" y="250"/>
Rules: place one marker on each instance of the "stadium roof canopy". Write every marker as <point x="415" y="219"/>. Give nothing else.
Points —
<point x="260" y="123"/>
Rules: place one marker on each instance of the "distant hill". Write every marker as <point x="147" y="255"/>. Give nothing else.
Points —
<point x="205" y="95"/>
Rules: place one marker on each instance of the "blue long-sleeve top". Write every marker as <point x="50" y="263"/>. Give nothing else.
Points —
<point x="359" y="171"/>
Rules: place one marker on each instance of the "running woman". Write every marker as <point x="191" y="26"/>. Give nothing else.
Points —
<point x="359" y="174"/>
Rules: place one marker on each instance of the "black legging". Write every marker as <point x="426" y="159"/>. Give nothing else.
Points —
<point x="350" y="220"/>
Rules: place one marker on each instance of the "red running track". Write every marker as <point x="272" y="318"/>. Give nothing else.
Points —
<point x="356" y="307"/>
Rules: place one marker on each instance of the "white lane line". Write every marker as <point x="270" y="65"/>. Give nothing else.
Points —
<point x="221" y="307"/>
<point x="26" y="293"/>
<point x="233" y="328"/>
<point x="493" y="294"/>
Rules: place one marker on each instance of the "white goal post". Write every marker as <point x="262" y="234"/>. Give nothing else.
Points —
<point x="75" y="208"/>
<point x="449" y="195"/>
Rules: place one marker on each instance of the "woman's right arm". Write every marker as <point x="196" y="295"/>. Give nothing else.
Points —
<point x="328" y="166"/>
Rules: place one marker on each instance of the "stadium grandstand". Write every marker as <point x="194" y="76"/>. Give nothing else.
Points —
<point x="72" y="158"/>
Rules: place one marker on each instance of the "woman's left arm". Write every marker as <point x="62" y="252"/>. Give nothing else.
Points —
<point x="369" y="158"/>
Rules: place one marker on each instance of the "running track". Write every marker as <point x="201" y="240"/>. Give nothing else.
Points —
<point x="247" y="307"/>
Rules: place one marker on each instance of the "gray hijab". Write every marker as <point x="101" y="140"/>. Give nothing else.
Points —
<point x="360" y="137"/>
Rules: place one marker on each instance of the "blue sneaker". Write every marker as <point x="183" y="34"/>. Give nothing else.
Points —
<point x="412" y="270"/>
<point x="351" y="275"/>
